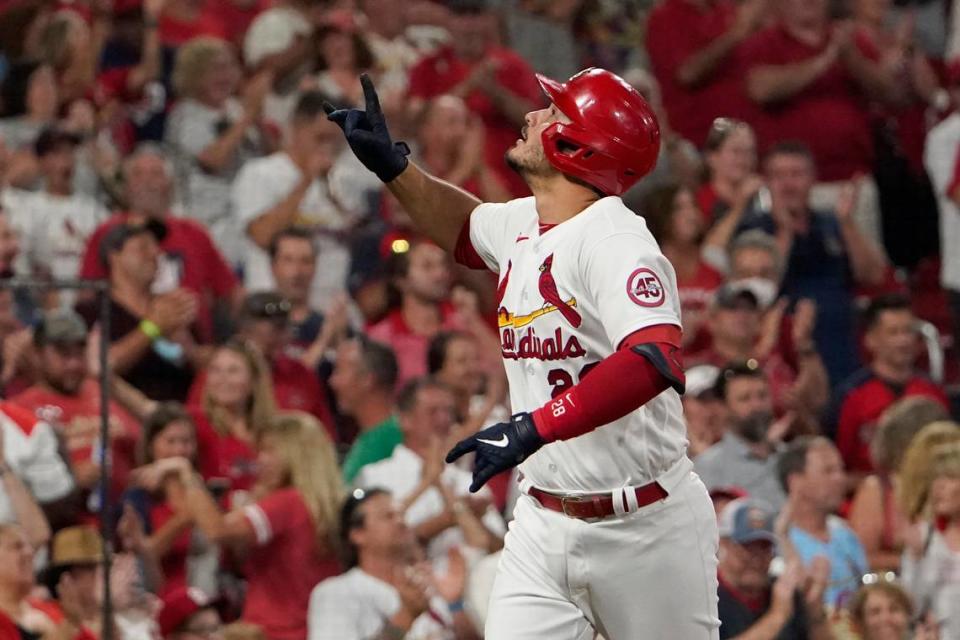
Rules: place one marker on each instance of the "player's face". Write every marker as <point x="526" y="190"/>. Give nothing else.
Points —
<point x="526" y="156"/>
<point x="884" y="618"/>
<point x="64" y="367"/>
<point x="893" y="340"/>
<point x="945" y="496"/>
<point x="293" y="268"/>
<point x="428" y="274"/>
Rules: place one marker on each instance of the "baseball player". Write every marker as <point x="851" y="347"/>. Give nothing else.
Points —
<point x="614" y="533"/>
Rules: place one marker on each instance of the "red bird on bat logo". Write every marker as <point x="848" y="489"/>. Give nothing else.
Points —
<point x="548" y="289"/>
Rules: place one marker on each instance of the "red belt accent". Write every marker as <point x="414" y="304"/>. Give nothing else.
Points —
<point x="595" y="505"/>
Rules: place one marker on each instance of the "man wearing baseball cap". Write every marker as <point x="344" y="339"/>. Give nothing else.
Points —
<point x="189" y="614"/>
<point x="751" y="605"/>
<point x="69" y="398"/>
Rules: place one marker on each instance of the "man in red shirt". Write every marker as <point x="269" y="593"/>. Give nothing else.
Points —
<point x="496" y="83"/>
<point x="698" y="66"/>
<point x="891" y="339"/>
<point x="65" y="397"/>
<point x="190" y="259"/>
<point x="422" y="277"/>
<point x="811" y="80"/>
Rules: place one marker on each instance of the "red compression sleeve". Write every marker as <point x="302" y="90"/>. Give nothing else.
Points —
<point x="618" y="385"/>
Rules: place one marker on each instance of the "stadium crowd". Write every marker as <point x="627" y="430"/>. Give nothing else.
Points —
<point x="289" y="361"/>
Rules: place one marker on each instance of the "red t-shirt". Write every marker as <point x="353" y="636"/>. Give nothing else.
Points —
<point x="830" y="115"/>
<point x="410" y="347"/>
<point x="201" y="266"/>
<point x="77" y="420"/>
<point x="234" y="18"/>
<point x="691" y="110"/>
<point x="861" y="401"/>
<point x="295" y="388"/>
<point x="174" y="561"/>
<point x="437" y="74"/>
<point x="224" y="455"/>
<point x="174" y="31"/>
<point x="51" y="609"/>
<point x="284" y="566"/>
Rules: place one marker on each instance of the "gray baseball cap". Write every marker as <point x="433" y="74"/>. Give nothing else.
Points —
<point x="60" y="327"/>
<point x="747" y="520"/>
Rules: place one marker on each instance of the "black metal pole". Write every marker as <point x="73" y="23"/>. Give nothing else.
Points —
<point x="105" y="466"/>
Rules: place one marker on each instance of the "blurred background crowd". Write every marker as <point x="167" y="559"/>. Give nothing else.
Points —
<point x="289" y="360"/>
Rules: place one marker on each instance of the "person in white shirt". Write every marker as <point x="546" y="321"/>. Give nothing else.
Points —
<point x="55" y="222"/>
<point x="214" y="127"/>
<point x="940" y="158"/>
<point x="29" y="450"/>
<point x="310" y="183"/>
<point x="386" y="593"/>
<point x="436" y="499"/>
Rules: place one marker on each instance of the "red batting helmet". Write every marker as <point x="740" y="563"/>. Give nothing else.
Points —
<point x="613" y="139"/>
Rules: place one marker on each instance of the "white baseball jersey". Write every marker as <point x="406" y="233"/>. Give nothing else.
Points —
<point x="568" y="298"/>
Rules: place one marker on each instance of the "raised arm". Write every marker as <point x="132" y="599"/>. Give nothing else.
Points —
<point x="438" y="208"/>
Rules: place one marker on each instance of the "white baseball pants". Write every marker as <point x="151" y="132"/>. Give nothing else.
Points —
<point x="646" y="575"/>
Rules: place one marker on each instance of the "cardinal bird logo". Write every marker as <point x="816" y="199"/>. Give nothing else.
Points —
<point x="548" y="289"/>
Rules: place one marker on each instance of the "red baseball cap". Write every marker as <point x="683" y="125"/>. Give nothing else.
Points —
<point x="178" y="605"/>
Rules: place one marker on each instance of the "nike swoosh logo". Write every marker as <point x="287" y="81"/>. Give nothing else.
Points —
<point x="502" y="442"/>
<point x="522" y="237"/>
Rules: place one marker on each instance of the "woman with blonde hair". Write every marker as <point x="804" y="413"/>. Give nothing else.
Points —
<point x="915" y="472"/>
<point x="931" y="563"/>
<point x="237" y="401"/>
<point x="875" y="515"/>
<point x="214" y="131"/>
<point x="288" y="537"/>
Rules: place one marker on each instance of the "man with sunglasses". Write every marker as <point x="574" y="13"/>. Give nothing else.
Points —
<point x="386" y="593"/>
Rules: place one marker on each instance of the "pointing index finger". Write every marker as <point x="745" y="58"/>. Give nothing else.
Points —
<point x="374" y="112"/>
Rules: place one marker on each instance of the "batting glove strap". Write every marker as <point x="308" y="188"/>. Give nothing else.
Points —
<point x="367" y="134"/>
<point x="498" y="448"/>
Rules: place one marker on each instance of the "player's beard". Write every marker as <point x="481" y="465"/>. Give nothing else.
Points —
<point x="534" y="166"/>
<point x="753" y="427"/>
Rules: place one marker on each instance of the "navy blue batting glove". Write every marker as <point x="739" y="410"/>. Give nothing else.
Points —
<point x="498" y="448"/>
<point x="368" y="137"/>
